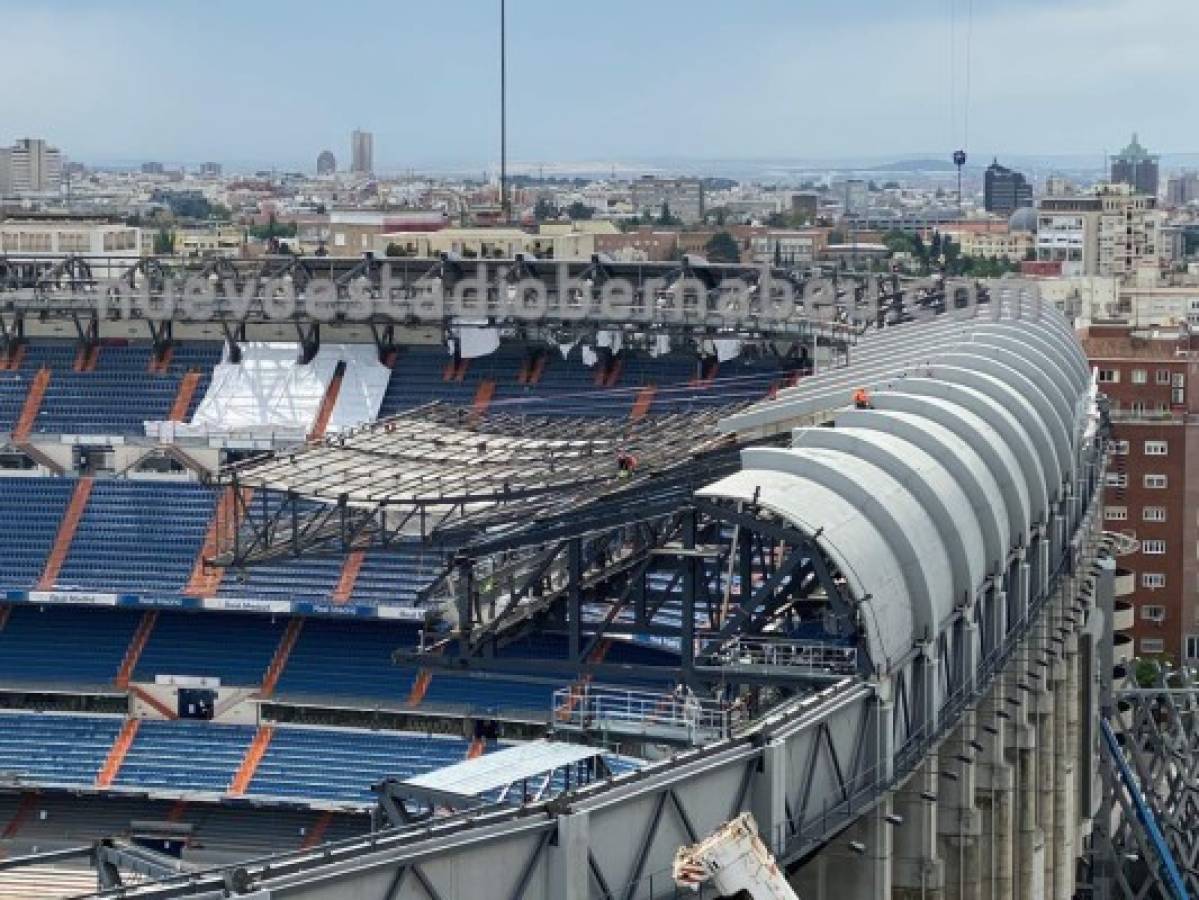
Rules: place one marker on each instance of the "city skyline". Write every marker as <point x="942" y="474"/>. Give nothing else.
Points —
<point x="575" y="94"/>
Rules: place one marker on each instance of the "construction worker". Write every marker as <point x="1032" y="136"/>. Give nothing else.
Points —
<point x="861" y="398"/>
<point x="627" y="463"/>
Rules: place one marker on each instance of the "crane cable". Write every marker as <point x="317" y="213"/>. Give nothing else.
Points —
<point x="959" y="103"/>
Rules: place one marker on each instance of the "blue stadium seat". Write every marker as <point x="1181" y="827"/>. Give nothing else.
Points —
<point x="55" y="749"/>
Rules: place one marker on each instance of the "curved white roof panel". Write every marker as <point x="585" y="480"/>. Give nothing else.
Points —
<point x="970" y="444"/>
<point x="852" y="542"/>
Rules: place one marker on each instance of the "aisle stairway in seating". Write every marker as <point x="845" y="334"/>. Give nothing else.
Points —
<point x="66" y="534"/>
<point x="349" y="576"/>
<point x="183" y="397"/>
<point x="249" y="765"/>
<point x="316" y="833"/>
<point x="286" y="643"/>
<point x="325" y="413"/>
<point x="483" y="395"/>
<point x="87" y="357"/>
<point x="205" y="579"/>
<point x="116" y="756"/>
<point x="136" y="645"/>
<point x="12" y="359"/>
<point x="31" y="407"/>
<point x="23" y="811"/>
<point x="642" y="403"/>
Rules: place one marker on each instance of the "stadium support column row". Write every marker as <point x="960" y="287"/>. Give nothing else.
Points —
<point x="995" y="796"/>
<point x="857" y="866"/>
<point x="959" y="823"/>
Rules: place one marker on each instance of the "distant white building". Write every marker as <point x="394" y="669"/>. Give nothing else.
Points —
<point x="30" y="166"/>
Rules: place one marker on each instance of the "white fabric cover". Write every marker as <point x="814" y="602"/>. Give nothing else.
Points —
<point x="362" y="386"/>
<point x="270" y="391"/>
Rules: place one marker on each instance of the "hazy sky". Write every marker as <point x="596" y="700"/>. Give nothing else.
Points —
<point x="620" y="80"/>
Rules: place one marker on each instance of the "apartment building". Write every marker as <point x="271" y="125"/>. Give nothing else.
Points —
<point x="1110" y="231"/>
<point x="1152" y="490"/>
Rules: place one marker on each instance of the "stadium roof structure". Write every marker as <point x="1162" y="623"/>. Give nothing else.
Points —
<point x="968" y="446"/>
<point x="443" y="475"/>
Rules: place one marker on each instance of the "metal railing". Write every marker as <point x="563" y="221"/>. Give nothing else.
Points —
<point x="811" y="656"/>
<point x="665" y="713"/>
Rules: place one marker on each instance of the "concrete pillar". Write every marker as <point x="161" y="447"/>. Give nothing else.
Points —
<point x="768" y="800"/>
<point x="958" y="819"/>
<point x="1066" y="744"/>
<point x="568" y="866"/>
<point x="917" y="872"/>
<point x="842" y="873"/>
<point x="1046" y="756"/>
<point x="994" y="791"/>
<point x="1030" y="847"/>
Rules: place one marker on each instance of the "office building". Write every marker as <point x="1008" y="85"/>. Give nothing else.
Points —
<point x="153" y="168"/>
<point x="326" y="163"/>
<point x="1005" y="190"/>
<point x="210" y="170"/>
<point x="1136" y="167"/>
<point x="30" y="166"/>
<point x="1182" y="189"/>
<point x="362" y="153"/>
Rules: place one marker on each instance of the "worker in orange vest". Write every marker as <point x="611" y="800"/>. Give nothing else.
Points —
<point x="861" y="398"/>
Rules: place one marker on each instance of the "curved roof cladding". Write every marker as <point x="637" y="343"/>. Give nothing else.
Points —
<point x="1032" y="362"/>
<point x="931" y="483"/>
<point x="903" y="522"/>
<point x="972" y="434"/>
<point x="1001" y="365"/>
<point x="1050" y="342"/>
<point x="988" y="507"/>
<point x="1011" y="415"/>
<point x="852" y="541"/>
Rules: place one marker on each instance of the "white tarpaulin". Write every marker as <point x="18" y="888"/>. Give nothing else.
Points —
<point x="613" y="340"/>
<point x="362" y="386"/>
<point x="476" y="342"/>
<point x="727" y="348"/>
<point x="270" y="391"/>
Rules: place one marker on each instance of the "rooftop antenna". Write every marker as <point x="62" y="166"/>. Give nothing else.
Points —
<point x="959" y="160"/>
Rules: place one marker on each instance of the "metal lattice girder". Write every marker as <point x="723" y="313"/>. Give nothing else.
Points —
<point x="58" y="287"/>
<point x="1159" y="730"/>
<point x="433" y="475"/>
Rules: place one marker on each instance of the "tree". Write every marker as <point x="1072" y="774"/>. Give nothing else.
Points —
<point x="164" y="242"/>
<point x="394" y="249"/>
<point x="580" y="211"/>
<point x="778" y="255"/>
<point x="543" y="210"/>
<point x="666" y="218"/>
<point x="836" y="237"/>
<point x="722" y="247"/>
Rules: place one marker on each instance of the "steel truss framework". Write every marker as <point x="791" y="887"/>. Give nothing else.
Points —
<point x="88" y="291"/>
<point x="1155" y="730"/>
<point x="806" y="771"/>
<point x="441" y="475"/>
<point x="593" y="587"/>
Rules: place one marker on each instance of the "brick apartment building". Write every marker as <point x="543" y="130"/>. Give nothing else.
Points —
<point x="1152" y="490"/>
